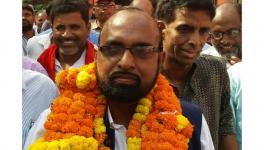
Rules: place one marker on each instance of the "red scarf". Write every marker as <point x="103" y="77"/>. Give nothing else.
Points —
<point x="47" y="58"/>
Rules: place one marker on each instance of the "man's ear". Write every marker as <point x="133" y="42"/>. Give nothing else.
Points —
<point x="161" y="25"/>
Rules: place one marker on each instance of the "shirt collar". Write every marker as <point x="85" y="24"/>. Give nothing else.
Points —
<point x="111" y="122"/>
<point x="78" y="63"/>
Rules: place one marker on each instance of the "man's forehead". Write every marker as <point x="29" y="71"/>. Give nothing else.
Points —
<point x="130" y="16"/>
<point x="27" y="11"/>
<point x="133" y="23"/>
<point x="188" y="16"/>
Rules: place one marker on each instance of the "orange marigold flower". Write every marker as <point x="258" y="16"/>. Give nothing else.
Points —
<point x="70" y="127"/>
<point x="87" y="122"/>
<point x="85" y="131"/>
<point x="188" y="131"/>
<point x="100" y="110"/>
<point x="62" y="79"/>
<point x="150" y="136"/>
<point x="134" y="128"/>
<point x="73" y="113"/>
<point x="100" y="138"/>
<point x="71" y="76"/>
<point x="91" y="101"/>
<point x="50" y="135"/>
<point x="77" y="107"/>
<point x="53" y="125"/>
<point x="78" y="118"/>
<point x="58" y="117"/>
<point x="78" y="97"/>
<point x="67" y="93"/>
<point x="90" y="109"/>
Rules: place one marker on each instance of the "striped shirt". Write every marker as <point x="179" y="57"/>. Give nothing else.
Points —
<point x="38" y="91"/>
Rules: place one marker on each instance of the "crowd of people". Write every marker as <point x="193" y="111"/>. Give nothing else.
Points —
<point x="132" y="74"/>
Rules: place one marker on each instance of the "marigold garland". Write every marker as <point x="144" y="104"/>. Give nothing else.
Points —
<point x="76" y="118"/>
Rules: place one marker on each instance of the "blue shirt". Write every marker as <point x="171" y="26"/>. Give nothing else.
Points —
<point x="38" y="91"/>
<point x="236" y="99"/>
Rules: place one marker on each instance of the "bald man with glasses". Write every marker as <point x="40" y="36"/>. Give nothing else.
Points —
<point x="225" y="34"/>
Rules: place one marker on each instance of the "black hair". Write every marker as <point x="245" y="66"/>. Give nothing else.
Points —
<point x="28" y="7"/>
<point x="123" y="2"/>
<point x="165" y="9"/>
<point x="67" y="6"/>
<point x="48" y="8"/>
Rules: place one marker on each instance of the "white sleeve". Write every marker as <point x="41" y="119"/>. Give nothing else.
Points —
<point x="206" y="139"/>
<point x="37" y="130"/>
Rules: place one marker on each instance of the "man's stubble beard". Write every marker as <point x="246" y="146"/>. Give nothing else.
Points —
<point x="26" y="26"/>
<point x="123" y="93"/>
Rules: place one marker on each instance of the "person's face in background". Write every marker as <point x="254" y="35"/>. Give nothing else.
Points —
<point x="27" y="20"/>
<point x="70" y="32"/>
<point x="40" y="18"/>
<point x="144" y="5"/>
<point x="226" y="32"/>
<point x="103" y="9"/>
<point x="185" y="36"/>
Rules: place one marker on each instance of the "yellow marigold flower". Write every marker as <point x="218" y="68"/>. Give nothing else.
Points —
<point x="64" y="145"/>
<point x="88" y="67"/>
<point x="53" y="145"/>
<point x="58" y="78"/>
<point x="145" y="102"/>
<point x="76" y="140"/>
<point x="139" y="117"/>
<point x="142" y="109"/>
<point x="83" y="79"/>
<point x="182" y="122"/>
<point x="100" y="129"/>
<point x="40" y="144"/>
<point x="99" y="125"/>
<point x="144" y="128"/>
<point x="134" y="143"/>
<point x="92" y="143"/>
<point x="98" y="121"/>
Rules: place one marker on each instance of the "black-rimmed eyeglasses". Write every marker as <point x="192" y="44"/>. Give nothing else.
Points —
<point x="232" y="33"/>
<point x="117" y="51"/>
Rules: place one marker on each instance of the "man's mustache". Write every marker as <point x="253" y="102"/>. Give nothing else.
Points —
<point x="117" y="74"/>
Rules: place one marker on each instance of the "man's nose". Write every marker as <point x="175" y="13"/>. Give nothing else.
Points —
<point x="194" y="39"/>
<point x="127" y="61"/>
<point x="67" y="33"/>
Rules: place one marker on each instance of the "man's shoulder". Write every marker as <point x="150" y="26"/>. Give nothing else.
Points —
<point x="34" y="77"/>
<point x="209" y="61"/>
<point x="40" y="37"/>
<point x="190" y="107"/>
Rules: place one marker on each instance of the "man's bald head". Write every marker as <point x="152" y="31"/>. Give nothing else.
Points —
<point x="228" y="10"/>
<point x="145" y="5"/>
<point x="133" y="19"/>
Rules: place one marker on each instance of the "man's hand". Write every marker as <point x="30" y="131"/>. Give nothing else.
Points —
<point x="228" y="142"/>
<point x="234" y="60"/>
